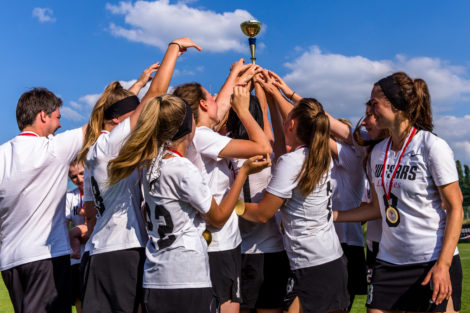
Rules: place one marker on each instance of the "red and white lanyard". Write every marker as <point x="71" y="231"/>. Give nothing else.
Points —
<point x="300" y="147"/>
<point x="29" y="133"/>
<point x="410" y="136"/>
<point x="174" y="152"/>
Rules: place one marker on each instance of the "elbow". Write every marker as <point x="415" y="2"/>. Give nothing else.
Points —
<point x="266" y="148"/>
<point x="263" y="219"/>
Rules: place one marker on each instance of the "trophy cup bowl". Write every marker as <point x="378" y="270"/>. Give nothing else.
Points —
<point x="251" y="28"/>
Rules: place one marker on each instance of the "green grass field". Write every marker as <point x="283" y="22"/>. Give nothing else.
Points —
<point x="359" y="303"/>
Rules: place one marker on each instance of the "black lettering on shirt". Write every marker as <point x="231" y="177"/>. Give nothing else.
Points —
<point x="413" y="171"/>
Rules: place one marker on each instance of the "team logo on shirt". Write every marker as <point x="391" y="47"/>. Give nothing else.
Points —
<point x="403" y="172"/>
<point x="392" y="214"/>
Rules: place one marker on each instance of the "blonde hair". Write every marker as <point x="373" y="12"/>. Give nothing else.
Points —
<point x="313" y="128"/>
<point x="112" y="94"/>
<point x="159" y="121"/>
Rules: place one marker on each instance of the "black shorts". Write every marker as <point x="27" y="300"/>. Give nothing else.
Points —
<point x="264" y="280"/>
<point x="179" y="300"/>
<point x="40" y="286"/>
<point x="113" y="281"/>
<point x="323" y="288"/>
<point x="357" y="269"/>
<point x="398" y="287"/>
<point x="225" y="267"/>
<point x="370" y="259"/>
<point x="75" y="283"/>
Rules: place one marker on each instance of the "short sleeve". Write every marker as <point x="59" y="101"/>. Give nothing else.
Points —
<point x="442" y="163"/>
<point x="87" y="189"/>
<point x="117" y="138"/>
<point x="194" y="189"/>
<point x="68" y="144"/>
<point x="366" y="195"/>
<point x="68" y="205"/>
<point x="209" y="143"/>
<point x="284" y="178"/>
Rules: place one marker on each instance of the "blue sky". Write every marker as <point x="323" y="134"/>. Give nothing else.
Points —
<point x="331" y="50"/>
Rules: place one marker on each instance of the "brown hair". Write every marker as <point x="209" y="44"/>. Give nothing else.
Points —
<point x="416" y="96"/>
<point x="112" y="94"/>
<point x="192" y="93"/>
<point x="34" y="101"/>
<point x="313" y="129"/>
<point x="159" y="121"/>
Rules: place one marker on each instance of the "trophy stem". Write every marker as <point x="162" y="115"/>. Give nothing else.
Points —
<point x="252" y="42"/>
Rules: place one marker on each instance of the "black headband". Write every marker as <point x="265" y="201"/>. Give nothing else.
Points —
<point x="186" y="125"/>
<point x="393" y="93"/>
<point x="121" y="107"/>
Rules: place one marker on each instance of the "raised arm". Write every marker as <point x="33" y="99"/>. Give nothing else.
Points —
<point x="258" y="144"/>
<point x="162" y="79"/>
<point x="225" y="93"/>
<point x="261" y="95"/>
<point x="144" y="78"/>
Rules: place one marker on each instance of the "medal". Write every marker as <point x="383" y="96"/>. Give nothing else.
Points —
<point x="391" y="213"/>
<point x="207" y="236"/>
<point x="240" y="207"/>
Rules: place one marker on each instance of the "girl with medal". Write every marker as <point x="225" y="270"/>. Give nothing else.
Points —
<point x="415" y="189"/>
<point x="176" y="273"/>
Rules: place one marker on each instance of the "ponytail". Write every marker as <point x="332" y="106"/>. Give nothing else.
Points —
<point x="113" y="93"/>
<point x="313" y="128"/>
<point x="422" y="118"/>
<point x="159" y="121"/>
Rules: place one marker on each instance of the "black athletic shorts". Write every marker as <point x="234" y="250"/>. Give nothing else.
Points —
<point x="75" y="283"/>
<point x="370" y="259"/>
<point x="323" y="288"/>
<point x="40" y="286"/>
<point x="113" y="281"/>
<point x="264" y="280"/>
<point x="398" y="287"/>
<point x="201" y="300"/>
<point x="357" y="269"/>
<point x="225" y="267"/>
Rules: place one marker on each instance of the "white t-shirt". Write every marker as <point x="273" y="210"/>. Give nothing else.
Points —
<point x="33" y="183"/>
<point x="310" y="238"/>
<point x="73" y="204"/>
<point x="347" y="180"/>
<point x="203" y="152"/>
<point x="176" y="251"/>
<point x="428" y="162"/>
<point x="374" y="227"/>
<point x="258" y="238"/>
<point x="119" y="224"/>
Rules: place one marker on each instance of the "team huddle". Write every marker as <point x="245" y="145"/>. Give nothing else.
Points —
<point x="247" y="201"/>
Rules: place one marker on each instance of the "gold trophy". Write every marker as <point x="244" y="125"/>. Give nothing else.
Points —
<point x="251" y="28"/>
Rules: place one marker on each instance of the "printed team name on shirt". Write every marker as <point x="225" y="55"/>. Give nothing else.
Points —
<point x="404" y="172"/>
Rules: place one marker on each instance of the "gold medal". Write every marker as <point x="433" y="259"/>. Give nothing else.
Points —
<point x="207" y="236"/>
<point x="393" y="217"/>
<point x="240" y="207"/>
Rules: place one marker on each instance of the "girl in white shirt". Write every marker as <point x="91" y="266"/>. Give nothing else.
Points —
<point x="300" y="188"/>
<point x="211" y="153"/>
<point x="113" y="273"/>
<point x="176" y="274"/>
<point x="417" y="267"/>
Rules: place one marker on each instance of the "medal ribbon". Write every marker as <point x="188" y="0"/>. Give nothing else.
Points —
<point x="300" y="147"/>
<point x="174" y="152"/>
<point x="28" y="133"/>
<point x="387" y="195"/>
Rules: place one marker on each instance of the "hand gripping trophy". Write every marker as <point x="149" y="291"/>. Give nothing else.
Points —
<point x="251" y="28"/>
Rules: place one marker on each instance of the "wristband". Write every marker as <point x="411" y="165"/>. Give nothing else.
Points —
<point x="292" y="95"/>
<point x="175" y="43"/>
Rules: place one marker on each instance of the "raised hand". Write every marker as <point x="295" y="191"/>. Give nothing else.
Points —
<point x="256" y="164"/>
<point x="184" y="43"/>
<point x="279" y="83"/>
<point x="240" y="99"/>
<point x="144" y="78"/>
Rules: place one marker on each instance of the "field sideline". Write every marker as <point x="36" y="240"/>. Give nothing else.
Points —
<point x="359" y="303"/>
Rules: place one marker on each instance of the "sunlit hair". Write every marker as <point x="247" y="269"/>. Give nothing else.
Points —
<point x="192" y="93"/>
<point x="416" y="95"/>
<point x="313" y="129"/>
<point x="159" y="121"/>
<point x="112" y="94"/>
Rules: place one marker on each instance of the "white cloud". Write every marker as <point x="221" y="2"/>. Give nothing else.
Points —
<point x="456" y="131"/>
<point x="157" y="23"/>
<point x="44" y="15"/>
<point x="71" y="114"/>
<point x="343" y="83"/>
